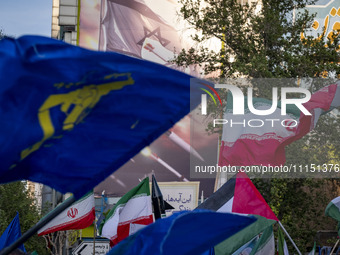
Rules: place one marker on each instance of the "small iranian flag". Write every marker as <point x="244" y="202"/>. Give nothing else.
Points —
<point x="132" y="212"/>
<point x="79" y="215"/>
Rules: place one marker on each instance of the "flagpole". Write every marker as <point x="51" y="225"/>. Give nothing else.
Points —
<point x="291" y="240"/>
<point x="218" y="174"/>
<point x="336" y="244"/>
<point x="94" y="236"/>
<point x="29" y="233"/>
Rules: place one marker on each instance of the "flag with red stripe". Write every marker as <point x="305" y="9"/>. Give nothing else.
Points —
<point x="239" y="195"/>
<point x="263" y="141"/>
<point x="79" y="215"/>
<point x="131" y="213"/>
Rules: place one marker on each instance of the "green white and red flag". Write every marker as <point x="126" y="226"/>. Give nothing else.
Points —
<point x="131" y="213"/>
<point x="243" y="144"/>
<point x="79" y="215"/>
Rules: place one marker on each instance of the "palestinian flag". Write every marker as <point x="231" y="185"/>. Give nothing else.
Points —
<point x="239" y="195"/>
<point x="131" y="213"/>
<point x="79" y="215"/>
<point x="333" y="209"/>
<point x="261" y="140"/>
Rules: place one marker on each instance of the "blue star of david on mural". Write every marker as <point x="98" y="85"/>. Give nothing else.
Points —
<point x="156" y="33"/>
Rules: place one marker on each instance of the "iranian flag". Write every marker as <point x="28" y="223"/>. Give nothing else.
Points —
<point x="131" y="213"/>
<point x="239" y="195"/>
<point x="79" y="215"/>
<point x="261" y="140"/>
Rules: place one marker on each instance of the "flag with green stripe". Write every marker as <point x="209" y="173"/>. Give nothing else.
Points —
<point x="281" y="244"/>
<point x="131" y="213"/>
<point x="333" y="211"/>
<point x="79" y="215"/>
<point x="239" y="195"/>
<point x="266" y="243"/>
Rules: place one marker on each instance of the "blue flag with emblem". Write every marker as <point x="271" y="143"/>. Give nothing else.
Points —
<point x="69" y="117"/>
<point x="11" y="234"/>
<point x="183" y="233"/>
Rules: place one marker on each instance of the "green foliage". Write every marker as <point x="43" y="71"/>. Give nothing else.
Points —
<point x="256" y="43"/>
<point x="3" y="35"/>
<point x="16" y="198"/>
<point x="301" y="202"/>
<point x="300" y="205"/>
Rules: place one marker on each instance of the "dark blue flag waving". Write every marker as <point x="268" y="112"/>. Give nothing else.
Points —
<point x="183" y="233"/>
<point x="69" y="117"/>
<point x="11" y="234"/>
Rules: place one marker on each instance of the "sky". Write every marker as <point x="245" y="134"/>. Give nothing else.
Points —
<point x="22" y="17"/>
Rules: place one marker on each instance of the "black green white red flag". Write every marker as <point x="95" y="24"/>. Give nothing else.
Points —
<point x="79" y="215"/>
<point x="333" y="209"/>
<point x="239" y="195"/>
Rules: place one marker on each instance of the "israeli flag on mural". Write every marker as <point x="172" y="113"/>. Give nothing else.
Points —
<point x="69" y="117"/>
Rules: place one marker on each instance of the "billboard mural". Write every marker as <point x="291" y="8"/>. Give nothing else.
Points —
<point x="168" y="158"/>
<point x="148" y="29"/>
<point x="327" y="18"/>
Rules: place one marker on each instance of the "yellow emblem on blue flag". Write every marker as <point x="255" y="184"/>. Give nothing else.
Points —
<point x="76" y="105"/>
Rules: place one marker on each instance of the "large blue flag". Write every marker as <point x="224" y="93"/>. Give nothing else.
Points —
<point x="11" y="234"/>
<point x="183" y="233"/>
<point x="69" y="117"/>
